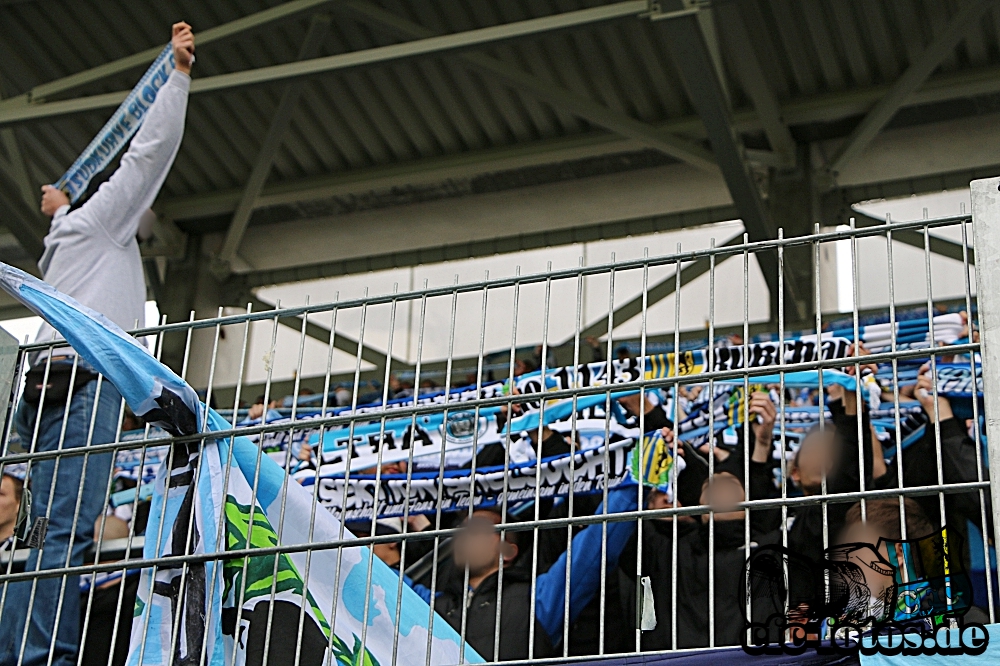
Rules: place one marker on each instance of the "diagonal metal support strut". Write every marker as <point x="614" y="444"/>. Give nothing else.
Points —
<point x="280" y="122"/>
<point x="662" y="289"/>
<point x="322" y="334"/>
<point x="907" y="84"/>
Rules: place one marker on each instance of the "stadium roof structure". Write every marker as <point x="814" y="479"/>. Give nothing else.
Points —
<point x="334" y="137"/>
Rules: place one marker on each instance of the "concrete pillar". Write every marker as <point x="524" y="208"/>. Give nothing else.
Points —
<point x="190" y="285"/>
<point x="792" y="205"/>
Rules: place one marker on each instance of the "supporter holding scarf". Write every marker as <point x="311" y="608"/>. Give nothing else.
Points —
<point x="91" y="253"/>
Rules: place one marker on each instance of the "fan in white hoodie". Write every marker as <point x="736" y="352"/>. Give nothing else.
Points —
<point x="91" y="252"/>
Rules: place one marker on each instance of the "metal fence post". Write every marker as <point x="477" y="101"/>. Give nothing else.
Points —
<point x="986" y="235"/>
<point x="8" y="362"/>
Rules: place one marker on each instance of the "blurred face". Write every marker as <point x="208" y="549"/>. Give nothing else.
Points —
<point x="394" y="467"/>
<point x="862" y="533"/>
<point x="814" y="460"/>
<point x="723" y="494"/>
<point x="10" y="501"/>
<point x="658" y="500"/>
<point x="478" y="545"/>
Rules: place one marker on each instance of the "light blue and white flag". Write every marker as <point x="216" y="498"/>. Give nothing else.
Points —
<point x="348" y="610"/>
<point x="122" y="125"/>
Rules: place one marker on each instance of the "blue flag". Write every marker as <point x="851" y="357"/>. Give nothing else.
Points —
<point x="342" y="605"/>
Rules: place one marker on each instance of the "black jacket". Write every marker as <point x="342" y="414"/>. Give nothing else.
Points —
<point x="585" y="630"/>
<point x="480" y="621"/>
<point x="692" y="582"/>
<point x="958" y="465"/>
<point x="805" y="537"/>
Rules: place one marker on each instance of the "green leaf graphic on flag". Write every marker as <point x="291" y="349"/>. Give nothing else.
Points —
<point x="261" y="577"/>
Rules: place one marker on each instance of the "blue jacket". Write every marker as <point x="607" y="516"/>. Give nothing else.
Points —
<point x="585" y="574"/>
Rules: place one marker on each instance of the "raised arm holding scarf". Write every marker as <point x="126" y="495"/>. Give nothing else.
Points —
<point x="91" y="253"/>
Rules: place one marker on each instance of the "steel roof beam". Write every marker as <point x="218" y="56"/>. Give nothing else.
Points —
<point x="426" y="170"/>
<point x="16" y="165"/>
<point x="818" y="108"/>
<point x="486" y="247"/>
<point x="823" y="108"/>
<point x="18" y="168"/>
<point x="19" y="110"/>
<point x="27" y="229"/>
<point x="908" y="82"/>
<point x="936" y="244"/>
<point x="837" y="203"/>
<point x="690" y="54"/>
<point x="21" y="226"/>
<point x="220" y="32"/>
<point x="756" y="85"/>
<point x="559" y="97"/>
<point x="835" y="208"/>
<point x="280" y="122"/>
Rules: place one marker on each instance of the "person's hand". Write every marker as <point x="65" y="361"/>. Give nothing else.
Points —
<point x="514" y="408"/>
<point x="925" y="394"/>
<point x="53" y="199"/>
<point x="418" y="523"/>
<point x="305" y="453"/>
<point x="668" y="440"/>
<point x="966" y="326"/>
<point x="849" y="399"/>
<point x="763" y="427"/>
<point x="721" y="453"/>
<point x="183" y="43"/>
<point x="861" y="352"/>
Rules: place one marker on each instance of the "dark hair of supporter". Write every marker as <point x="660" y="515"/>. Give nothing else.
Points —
<point x="883" y="514"/>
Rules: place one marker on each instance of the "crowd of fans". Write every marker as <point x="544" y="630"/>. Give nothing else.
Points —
<point x="674" y="550"/>
<point x="524" y="571"/>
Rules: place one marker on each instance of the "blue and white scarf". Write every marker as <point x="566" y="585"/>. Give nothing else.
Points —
<point x="122" y="125"/>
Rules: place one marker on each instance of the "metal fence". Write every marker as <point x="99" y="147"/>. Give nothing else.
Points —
<point x="640" y="561"/>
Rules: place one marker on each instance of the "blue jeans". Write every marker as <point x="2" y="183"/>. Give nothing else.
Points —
<point x="72" y="472"/>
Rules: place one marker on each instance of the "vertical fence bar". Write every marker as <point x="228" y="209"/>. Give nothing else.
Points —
<point x="676" y="388"/>
<point x="711" y="447"/>
<point x="986" y="236"/>
<point x="976" y="435"/>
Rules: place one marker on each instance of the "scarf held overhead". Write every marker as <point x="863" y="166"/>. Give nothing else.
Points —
<point x="122" y="125"/>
